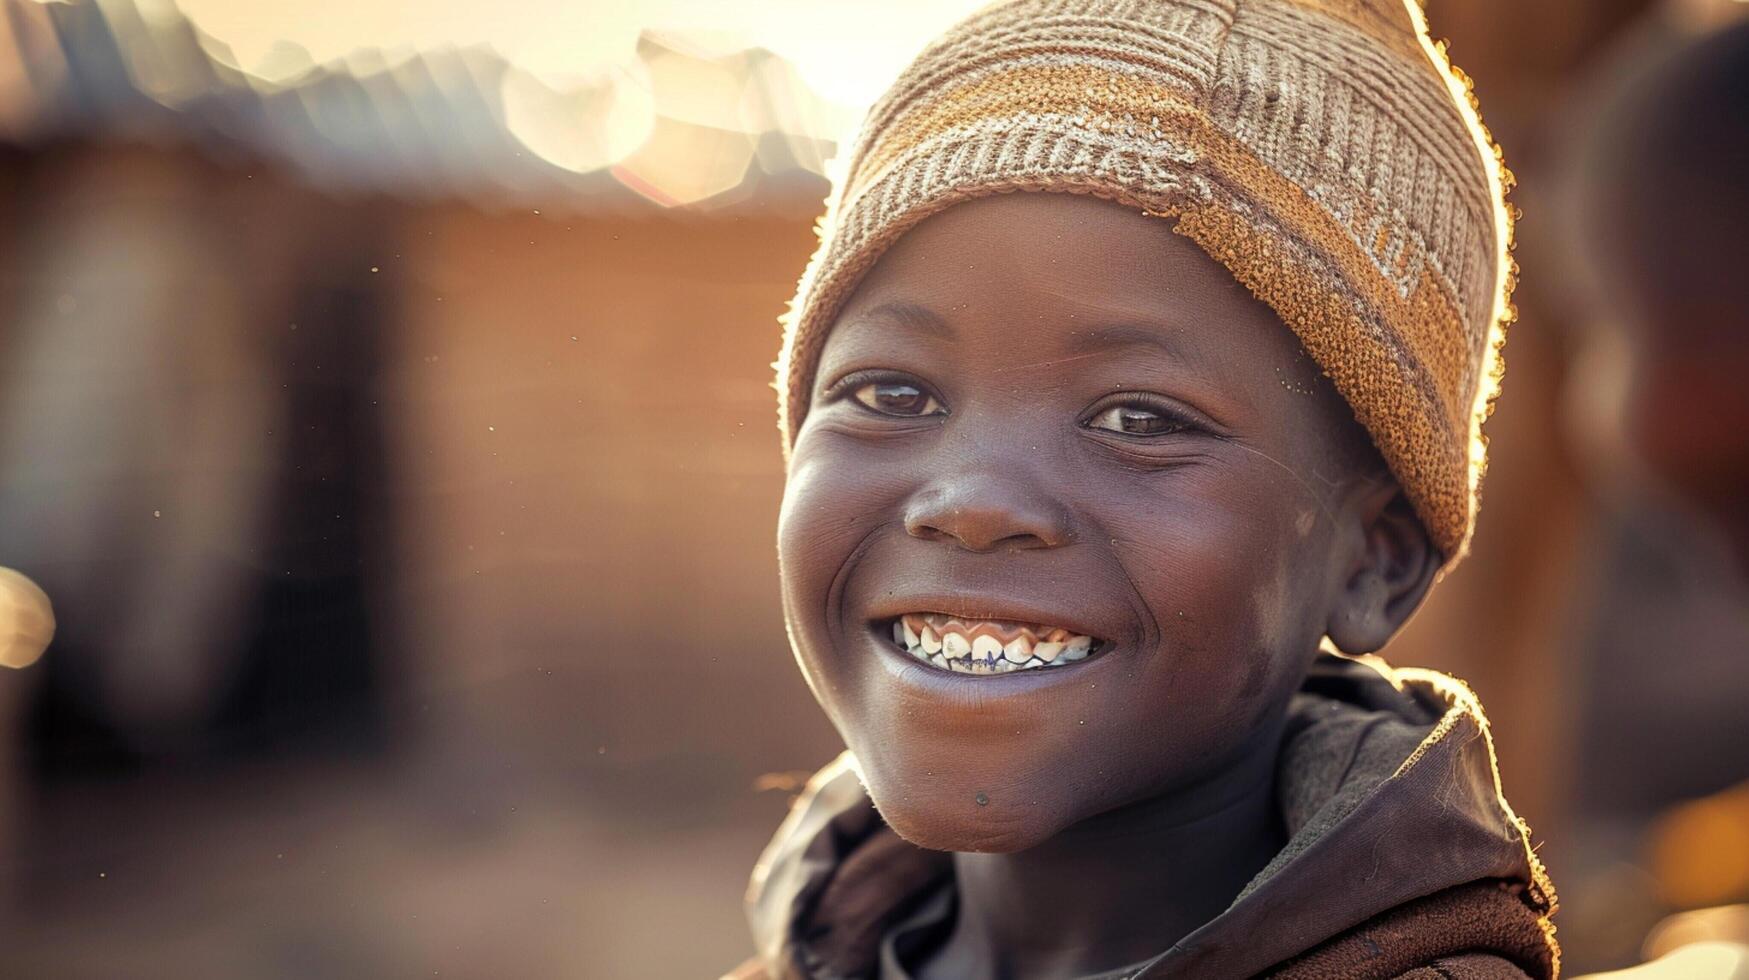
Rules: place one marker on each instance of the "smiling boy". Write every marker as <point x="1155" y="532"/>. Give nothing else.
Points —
<point x="1145" y="351"/>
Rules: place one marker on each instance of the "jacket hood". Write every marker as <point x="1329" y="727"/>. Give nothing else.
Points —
<point x="1387" y="786"/>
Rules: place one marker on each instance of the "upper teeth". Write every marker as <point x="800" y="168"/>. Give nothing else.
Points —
<point x="987" y="646"/>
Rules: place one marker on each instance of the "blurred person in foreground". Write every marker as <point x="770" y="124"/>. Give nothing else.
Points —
<point x="1143" y="361"/>
<point x="1662" y="228"/>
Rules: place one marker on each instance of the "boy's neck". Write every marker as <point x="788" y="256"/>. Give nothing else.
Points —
<point x="1116" y="889"/>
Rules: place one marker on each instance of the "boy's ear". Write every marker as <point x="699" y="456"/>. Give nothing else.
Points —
<point x="1388" y="575"/>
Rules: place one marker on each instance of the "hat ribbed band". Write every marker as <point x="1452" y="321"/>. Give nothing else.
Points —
<point x="1335" y="176"/>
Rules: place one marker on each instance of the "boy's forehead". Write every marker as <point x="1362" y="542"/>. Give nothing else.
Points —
<point x="1078" y="275"/>
<point x="1051" y="235"/>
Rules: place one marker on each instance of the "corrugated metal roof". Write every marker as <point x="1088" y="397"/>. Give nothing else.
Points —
<point x="680" y="128"/>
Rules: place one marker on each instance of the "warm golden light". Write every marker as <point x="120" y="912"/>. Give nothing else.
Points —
<point x="584" y="129"/>
<point x="848" y="49"/>
<point x="1724" y="924"/>
<point x="27" y="621"/>
<point x="1701" y="961"/>
<point x="1700" y="850"/>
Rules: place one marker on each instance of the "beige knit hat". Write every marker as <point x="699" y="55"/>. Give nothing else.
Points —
<point x="1324" y="151"/>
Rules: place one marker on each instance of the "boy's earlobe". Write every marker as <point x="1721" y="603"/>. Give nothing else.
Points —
<point x="1389" y="576"/>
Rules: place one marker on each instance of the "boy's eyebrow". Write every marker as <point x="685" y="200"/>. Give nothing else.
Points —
<point x="1123" y="335"/>
<point x="913" y="315"/>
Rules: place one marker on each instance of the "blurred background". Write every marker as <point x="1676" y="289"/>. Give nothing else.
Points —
<point x="385" y="417"/>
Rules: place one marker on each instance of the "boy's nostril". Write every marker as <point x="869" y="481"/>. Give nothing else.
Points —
<point x="978" y="539"/>
<point x="990" y="524"/>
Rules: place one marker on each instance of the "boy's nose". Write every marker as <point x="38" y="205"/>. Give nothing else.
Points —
<point x="983" y="510"/>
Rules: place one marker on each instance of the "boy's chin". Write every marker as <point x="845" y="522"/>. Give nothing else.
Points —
<point x="941" y="822"/>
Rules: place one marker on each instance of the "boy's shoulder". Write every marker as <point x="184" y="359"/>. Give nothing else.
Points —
<point x="1402" y="853"/>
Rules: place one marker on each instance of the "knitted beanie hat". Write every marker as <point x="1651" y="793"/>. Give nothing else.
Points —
<point x="1325" y="151"/>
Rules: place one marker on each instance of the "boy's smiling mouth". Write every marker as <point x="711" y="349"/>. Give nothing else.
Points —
<point x="989" y="646"/>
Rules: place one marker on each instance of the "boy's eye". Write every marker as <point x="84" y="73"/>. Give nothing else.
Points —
<point x="897" y="398"/>
<point x="1137" y="420"/>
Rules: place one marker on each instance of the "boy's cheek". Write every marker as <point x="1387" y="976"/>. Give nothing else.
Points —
<point x="825" y="504"/>
<point x="830" y="508"/>
<point x="1225" y="565"/>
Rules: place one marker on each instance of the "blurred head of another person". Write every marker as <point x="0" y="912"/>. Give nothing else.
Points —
<point x="1662" y="191"/>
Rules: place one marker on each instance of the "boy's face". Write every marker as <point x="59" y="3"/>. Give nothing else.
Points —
<point x="1046" y="412"/>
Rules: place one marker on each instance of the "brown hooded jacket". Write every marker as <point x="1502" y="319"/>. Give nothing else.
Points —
<point x="1403" y="859"/>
